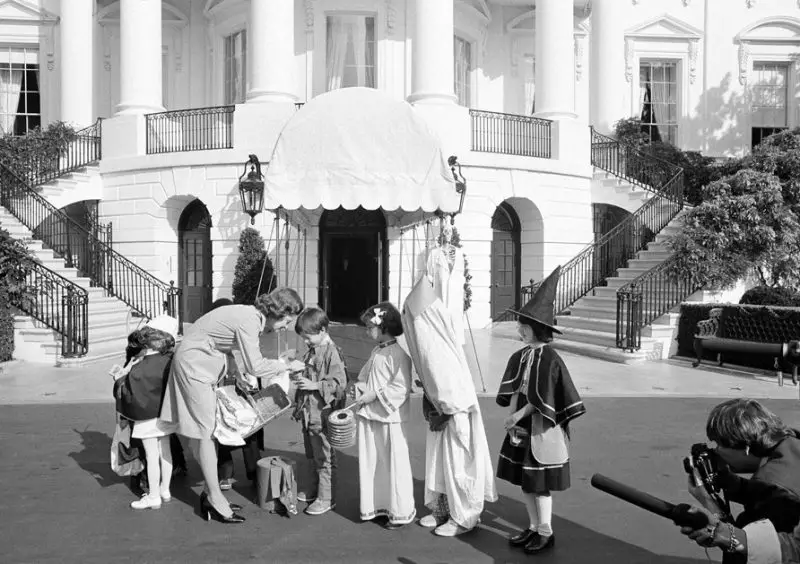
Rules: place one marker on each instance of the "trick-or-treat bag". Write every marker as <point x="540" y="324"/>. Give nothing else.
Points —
<point x="236" y="417"/>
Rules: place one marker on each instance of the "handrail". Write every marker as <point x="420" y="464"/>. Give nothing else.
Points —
<point x="84" y="149"/>
<point x="61" y="305"/>
<point x="510" y="134"/>
<point x="600" y="259"/>
<point x="646" y="298"/>
<point x="106" y="268"/>
<point x="195" y="129"/>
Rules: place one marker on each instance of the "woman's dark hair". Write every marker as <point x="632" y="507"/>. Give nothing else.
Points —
<point x="221" y="302"/>
<point x="279" y="303"/>
<point x="157" y="340"/>
<point x="742" y="423"/>
<point x="135" y="346"/>
<point x="311" y="321"/>
<point x="390" y="321"/>
<point x="542" y="333"/>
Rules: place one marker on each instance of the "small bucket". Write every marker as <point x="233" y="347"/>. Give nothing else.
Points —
<point x="342" y="429"/>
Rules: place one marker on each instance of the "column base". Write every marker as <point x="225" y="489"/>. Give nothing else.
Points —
<point x="432" y="98"/>
<point x="555" y="114"/>
<point x="261" y="96"/>
<point x="131" y="108"/>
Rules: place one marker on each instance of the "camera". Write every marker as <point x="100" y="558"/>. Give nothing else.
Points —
<point x="706" y="462"/>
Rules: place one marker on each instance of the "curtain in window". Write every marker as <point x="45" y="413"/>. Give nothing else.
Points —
<point x="659" y="95"/>
<point x="530" y="86"/>
<point x="10" y="87"/>
<point x="350" y="52"/>
<point x="463" y="65"/>
<point x="239" y="51"/>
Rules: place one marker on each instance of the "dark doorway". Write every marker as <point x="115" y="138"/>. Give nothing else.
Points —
<point x="505" y="260"/>
<point x="608" y="258"/>
<point x="353" y="261"/>
<point x="194" y="260"/>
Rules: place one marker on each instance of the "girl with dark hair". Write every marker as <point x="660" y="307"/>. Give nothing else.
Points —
<point x="383" y="410"/>
<point x="139" y="395"/>
<point x="201" y="360"/>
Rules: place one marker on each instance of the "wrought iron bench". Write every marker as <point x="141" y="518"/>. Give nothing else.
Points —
<point x="756" y="330"/>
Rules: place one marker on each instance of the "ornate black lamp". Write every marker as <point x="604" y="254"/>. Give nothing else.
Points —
<point x="461" y="183"/>
<point x="251" y="188"/>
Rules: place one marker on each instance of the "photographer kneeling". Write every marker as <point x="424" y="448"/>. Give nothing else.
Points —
<point x="751" y="439"/>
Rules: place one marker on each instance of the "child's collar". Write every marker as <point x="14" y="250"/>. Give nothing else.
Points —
<point x="387" y="343"/>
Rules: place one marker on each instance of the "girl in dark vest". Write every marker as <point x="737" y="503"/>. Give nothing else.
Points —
<point x="538" y="390"/>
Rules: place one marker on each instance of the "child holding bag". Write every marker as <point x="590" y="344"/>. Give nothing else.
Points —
<point x="543" y="400"/>
<point x="139" y="396"/>
<point x="383" y="410"/>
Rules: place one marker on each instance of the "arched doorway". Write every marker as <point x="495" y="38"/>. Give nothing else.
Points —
<point x="194" y="260"/>
<point x="505" y="274"/>
<point x="353" y="261"/>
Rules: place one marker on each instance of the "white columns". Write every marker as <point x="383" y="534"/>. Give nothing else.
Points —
<point x="270" y="48"/>
<point x="555" y="59"/>
<point x="77" y="56"/>
<point x="432" y="64"/>
<point x="607" y="69"/>
<point x="140" y="57"/>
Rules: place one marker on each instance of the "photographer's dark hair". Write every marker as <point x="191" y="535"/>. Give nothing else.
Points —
<point x="311" y="321"/>
<point x="542" y="333"/>
<point x="743" y="423"/>
<point x="135" y="346"/>
<point x="391" y="323"/>
<point x="221" y="302"/>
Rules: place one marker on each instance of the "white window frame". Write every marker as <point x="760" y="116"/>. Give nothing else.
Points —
<point x="471" y="25"/>
<point x="29" y="51"/>
<point x="317" y="41"/>
<point x="224" y="68"/>
<point x="471" y="79"/>
<point x="324" y="43"/>
<point x="678" y="86"/>
<point x="227" y="18"/>
<point x="757" y="44"/>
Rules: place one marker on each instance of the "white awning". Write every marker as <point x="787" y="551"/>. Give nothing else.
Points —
<point x="357" y="147"/>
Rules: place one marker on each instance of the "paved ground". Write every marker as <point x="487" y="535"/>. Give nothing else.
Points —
<point x="60" y="502"/>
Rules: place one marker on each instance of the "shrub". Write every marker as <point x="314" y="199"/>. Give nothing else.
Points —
<point x="15" y="263"/>
<point x="769" y="296"/>
<point x="39" y="151"/>
<point x="252" y="261"/>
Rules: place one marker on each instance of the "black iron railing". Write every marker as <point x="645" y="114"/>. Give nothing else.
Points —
<point x="82" y="249"/>
<point x="601" y="259"/>
<point x="61" y="305"/>
<point x="41" y="167"/>
<point x="198" y="129"/>
<point x="510" y="134"/>
<point x="648" y="297"/>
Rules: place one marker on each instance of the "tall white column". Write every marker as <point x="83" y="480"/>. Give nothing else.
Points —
<point x="432" y="65"/>
<point x="140" y="57"/>
<point x="555" y="59"/>
<point x="607" y="70"/>
<point x="77" y="86"/>
<point x="270" y="48"/>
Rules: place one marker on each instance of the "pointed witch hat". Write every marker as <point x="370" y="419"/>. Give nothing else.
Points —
<point x="541" y="305"/>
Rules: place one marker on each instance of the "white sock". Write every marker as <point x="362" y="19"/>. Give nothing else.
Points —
<point x="544" y="506"/>
<point x="533" y="512"/>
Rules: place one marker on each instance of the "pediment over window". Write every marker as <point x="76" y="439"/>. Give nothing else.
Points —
<point x="665" y="27"/>
<point x="170" y="15"/>
<point x="776" y="29"/>
<point x="21" y="12"/>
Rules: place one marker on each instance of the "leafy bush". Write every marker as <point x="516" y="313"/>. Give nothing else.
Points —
<point x="39" y="151"/>
<point x="249" y="267"/>
<point x="742" y="228"/>
<point x="767" y="295"/>
<point x="15" y="263"/>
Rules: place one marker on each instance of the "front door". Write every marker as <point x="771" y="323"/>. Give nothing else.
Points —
<point x="195" y="261"/>
<point x="352" y="262"/>
<point x="505" y="260"/>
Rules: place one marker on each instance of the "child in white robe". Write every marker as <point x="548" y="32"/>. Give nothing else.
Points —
<point x="383" y="410"/>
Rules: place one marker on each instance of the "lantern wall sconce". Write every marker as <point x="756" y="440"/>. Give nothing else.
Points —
<point x="251" y="188"/>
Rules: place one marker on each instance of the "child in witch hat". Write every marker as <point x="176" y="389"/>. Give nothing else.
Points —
<point x="542" y="398"/>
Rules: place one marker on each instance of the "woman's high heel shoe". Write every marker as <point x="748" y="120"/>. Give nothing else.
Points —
<point x="207" y="511"/>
